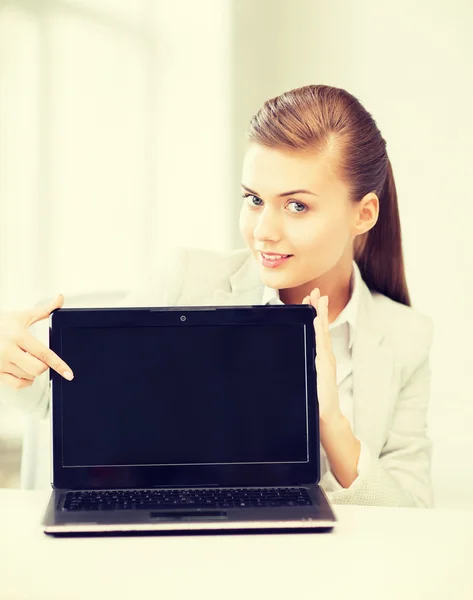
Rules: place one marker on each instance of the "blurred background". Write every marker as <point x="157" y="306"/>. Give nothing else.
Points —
<point x="122" y="132"/>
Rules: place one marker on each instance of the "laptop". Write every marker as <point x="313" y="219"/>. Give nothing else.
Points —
<point x="185" y="419"/>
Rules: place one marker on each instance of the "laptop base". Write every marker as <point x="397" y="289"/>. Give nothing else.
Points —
<point x="318" y="517"/>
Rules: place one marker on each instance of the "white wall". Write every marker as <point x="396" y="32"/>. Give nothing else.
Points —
<point x="410" y="65"/>
<point x="113" y="143"/>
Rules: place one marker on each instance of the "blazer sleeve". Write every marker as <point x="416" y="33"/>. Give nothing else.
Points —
<point x="161" y="289"/>
<point x="401" y="475"/>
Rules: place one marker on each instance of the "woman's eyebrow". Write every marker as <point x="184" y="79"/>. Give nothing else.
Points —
<point x="283" y="194"/>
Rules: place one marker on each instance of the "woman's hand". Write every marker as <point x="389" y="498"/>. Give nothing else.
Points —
<point x="325" y="363"/>
<point x="22" y="356"/>
<point x="341" y="446"/>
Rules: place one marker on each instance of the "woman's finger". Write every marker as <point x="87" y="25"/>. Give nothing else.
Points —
<point x="328" y="337"/>
<point x="314" y="298"/>
<point x="321" y="338"/>
<point x="323" y="303"/>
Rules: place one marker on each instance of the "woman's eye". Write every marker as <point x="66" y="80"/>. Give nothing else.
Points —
<point x="254" y="201"/>
<point x="250" y="202"/>
<point x="299" y="207"/>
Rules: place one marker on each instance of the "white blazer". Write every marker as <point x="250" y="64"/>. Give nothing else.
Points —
<point x="391" y="372"/>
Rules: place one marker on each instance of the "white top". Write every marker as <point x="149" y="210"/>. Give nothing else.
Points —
<point x="342" y="332"/>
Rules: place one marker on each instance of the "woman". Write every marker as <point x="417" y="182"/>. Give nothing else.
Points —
<point x="321" y="224"/>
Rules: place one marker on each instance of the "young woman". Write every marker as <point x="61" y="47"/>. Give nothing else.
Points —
<point x="320" y="221"/>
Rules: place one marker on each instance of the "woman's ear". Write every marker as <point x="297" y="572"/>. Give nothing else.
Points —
<point x="366" y="214"/>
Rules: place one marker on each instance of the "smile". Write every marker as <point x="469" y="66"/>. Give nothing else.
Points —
<point x="273" y="260"/>
<point x="273" y="256"/>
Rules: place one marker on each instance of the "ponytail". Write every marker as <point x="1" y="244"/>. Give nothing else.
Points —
<point x="379" y="255"/>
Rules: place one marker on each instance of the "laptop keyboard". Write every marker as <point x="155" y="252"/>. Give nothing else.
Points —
<point x="186" y="498"/>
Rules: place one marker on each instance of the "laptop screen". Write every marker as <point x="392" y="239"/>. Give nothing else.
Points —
<point x="221" y="396"/>
<point x="185" y="395"/>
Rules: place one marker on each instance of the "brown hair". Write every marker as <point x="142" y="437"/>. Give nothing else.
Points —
<point x="324" y="118"/>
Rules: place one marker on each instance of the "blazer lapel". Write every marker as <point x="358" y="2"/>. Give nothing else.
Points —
<point x="373" y="372"/>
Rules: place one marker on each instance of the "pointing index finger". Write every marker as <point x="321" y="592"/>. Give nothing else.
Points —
<point x="47" y="356"/>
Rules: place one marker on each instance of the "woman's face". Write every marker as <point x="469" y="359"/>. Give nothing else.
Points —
<point x="314" y="228"/>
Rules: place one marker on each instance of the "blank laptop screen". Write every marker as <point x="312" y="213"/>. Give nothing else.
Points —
<point x="192" y="395"/>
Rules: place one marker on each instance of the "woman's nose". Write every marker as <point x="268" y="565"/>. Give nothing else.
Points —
<point x="267" y="228"/>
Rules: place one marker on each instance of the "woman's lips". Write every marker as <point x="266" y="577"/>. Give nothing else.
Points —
<point x="273" y="261"/>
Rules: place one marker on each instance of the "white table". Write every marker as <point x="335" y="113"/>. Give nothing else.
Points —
<point x="374" y="552"/>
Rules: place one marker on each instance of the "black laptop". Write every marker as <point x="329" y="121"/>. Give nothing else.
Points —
<point x="185" y="419"/>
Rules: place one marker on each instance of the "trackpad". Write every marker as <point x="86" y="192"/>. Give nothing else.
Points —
<point x="193" y="515"/>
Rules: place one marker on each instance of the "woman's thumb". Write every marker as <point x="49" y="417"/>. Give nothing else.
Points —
<point x="58" y="300"/>
<point x="43" y="312"/>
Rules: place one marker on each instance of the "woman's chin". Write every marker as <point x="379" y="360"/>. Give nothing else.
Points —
<point x="275" y="278"/>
